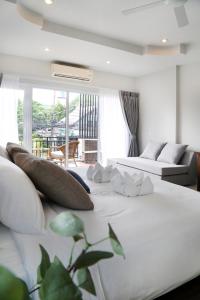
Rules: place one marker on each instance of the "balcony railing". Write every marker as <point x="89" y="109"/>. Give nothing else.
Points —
<point x="42" y="145"/>
<point x="86" y="152"/>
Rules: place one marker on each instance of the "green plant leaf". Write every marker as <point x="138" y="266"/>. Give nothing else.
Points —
<point x="58" y="284"/>
<point x="77" y="237"/>
<point x="57" y="261"/>
<point x="11" y="287"/>
<point x="67" y="224"/>
<point x="91" y="258"/>
<point x="115" y="243"/>
<point x="44" y="265"/>
<point x="85" y="281"/>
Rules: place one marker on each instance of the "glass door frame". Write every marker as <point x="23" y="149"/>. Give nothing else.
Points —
<point x="28" y="86"/>
<point x="28" y="97"/>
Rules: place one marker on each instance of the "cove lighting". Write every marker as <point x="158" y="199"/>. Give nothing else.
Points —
<point x="164" y="40"/>
<point x="49" y="2"/>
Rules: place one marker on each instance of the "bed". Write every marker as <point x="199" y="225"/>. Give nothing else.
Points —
<point x="159" y="232"/>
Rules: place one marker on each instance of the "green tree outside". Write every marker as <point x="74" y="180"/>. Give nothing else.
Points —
<point x="44" y="116"/>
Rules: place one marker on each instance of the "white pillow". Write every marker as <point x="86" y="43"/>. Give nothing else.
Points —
<point x="172" y="153"/>
<point x="20" y="207"/>
<point x="152" y="150"/>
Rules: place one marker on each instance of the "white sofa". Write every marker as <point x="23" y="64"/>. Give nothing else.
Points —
<point x="183" y="174"/>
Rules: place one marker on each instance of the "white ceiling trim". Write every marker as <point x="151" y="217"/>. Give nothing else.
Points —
<point x="92" y="38"/>
<point x="30" y="15"/>
<point x="166" y="51"/>
<point x="48" y="26"/>
<point x="11" y="1"/>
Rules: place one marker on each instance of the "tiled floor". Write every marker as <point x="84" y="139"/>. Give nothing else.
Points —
<point x="79" y="164"/>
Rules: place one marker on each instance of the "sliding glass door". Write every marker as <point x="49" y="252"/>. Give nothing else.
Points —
<point x="83" y="128"/>
<point x="88" y="127"/>
<point x="58" y="125"/>
<point x="64" y="126"/>
<point x="48" y="123"/>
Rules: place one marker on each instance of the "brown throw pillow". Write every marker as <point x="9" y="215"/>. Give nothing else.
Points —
<point x="53" y="181"/>
<point x="4" y="153"/>
<point x="13" y="149"/>
<point x="42" y="196"/>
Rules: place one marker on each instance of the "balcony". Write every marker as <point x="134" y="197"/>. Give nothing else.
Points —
<point x="86" y="153"/>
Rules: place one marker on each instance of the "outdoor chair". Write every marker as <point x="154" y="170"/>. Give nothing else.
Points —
<point x="59" y="154"/>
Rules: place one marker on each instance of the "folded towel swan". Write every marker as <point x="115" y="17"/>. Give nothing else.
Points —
<point x="99" y="174"/>
<point x="124" y="184"/>
<point x="132" y="185"/>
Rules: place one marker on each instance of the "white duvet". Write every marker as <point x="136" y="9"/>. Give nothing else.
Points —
<point x="160" y="234"/>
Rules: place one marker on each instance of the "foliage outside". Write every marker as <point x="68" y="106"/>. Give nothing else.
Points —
<point x="54" y="280"/>
<point x="44" y="116"/>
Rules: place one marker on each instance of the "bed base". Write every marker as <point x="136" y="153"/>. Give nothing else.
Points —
<point x="188" y="291"/>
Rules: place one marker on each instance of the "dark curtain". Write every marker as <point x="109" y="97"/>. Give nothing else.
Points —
<point x="130" y="108"/>
<point x="1" y="78"/>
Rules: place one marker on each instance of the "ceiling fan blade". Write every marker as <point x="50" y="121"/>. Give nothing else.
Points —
<point x="181" y="16"/>
<point x="12" y="1"/>
<point x="142" y="7"/>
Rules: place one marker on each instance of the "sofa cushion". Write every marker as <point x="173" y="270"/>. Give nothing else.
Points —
<point x="172" y="153"/>
<point x="188" y="158"/>
<point x="152" y="150"/>
<point x="54" y="182"/>
<point x="152" y="166"/>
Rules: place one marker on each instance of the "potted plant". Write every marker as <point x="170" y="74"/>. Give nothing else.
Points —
<point x="55" y="281"/>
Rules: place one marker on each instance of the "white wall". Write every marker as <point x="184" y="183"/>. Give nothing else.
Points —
<point x="170" y="106"/>
<point x="189" y="105"/>
<point x="169" y="100"/>
<point x="157" y="107"/>
<point x="40" y="70"/>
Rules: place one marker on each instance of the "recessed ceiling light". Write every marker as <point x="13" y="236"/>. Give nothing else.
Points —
<point x="108" y="62"/>
<point x="164" y="40"/>
<point x="46" y="49"/>
<point x="49" y="2"/>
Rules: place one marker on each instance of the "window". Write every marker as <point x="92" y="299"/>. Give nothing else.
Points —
<point x="44" y="119"/>
<point x="48" y="121"/>
<point x="11" y="115"/>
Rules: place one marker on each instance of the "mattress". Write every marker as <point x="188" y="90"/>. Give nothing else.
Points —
<point x="28" y="247"/>
<point x="9" y="254"/>
<point x="159" y="233"/>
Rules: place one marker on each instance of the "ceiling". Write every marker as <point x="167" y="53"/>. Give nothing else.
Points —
<point x="22" y="38"/>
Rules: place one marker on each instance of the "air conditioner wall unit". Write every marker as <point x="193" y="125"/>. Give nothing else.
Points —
<point x="71" y="72"/>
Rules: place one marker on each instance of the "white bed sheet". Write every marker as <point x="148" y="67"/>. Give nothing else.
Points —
<point x="28" y="247"/>
<point x="160" y="234"/>
<point x="9" y="255"/>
